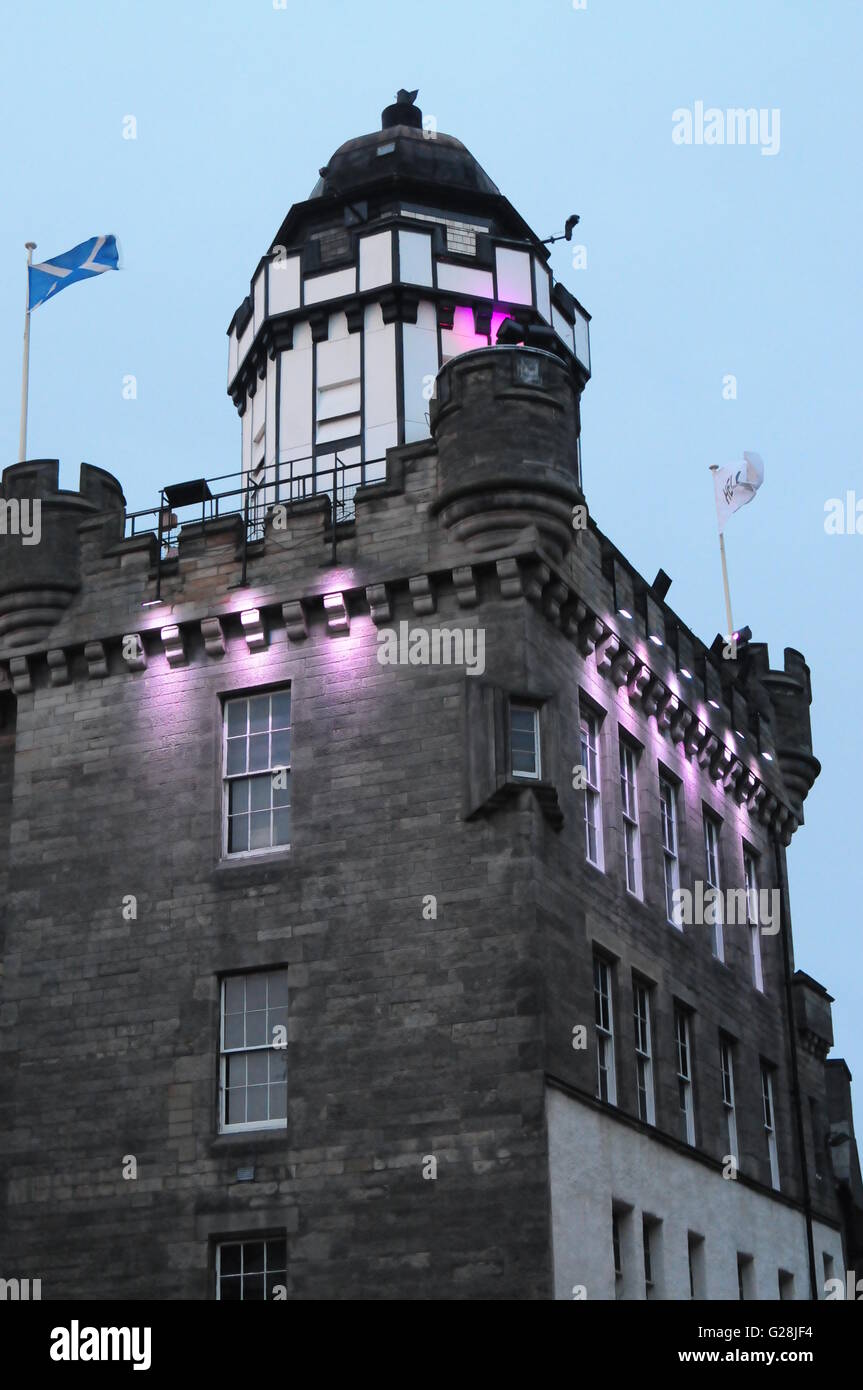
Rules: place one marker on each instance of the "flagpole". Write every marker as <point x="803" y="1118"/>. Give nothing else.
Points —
<point x="713" y="468"/>
<point x="25" y="369"/>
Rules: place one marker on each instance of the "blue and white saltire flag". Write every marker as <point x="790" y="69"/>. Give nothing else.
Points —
<point x="90" y="258"/>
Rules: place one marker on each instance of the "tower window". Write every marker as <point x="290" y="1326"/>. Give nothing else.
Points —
<point x="257" y="773"/>
<point x="684" y="1075"/>
<point x="253" y="1051"/>
<point x="592" y="794"/>
<point x="726" y="1060"/>
<point x="769" y="1123"/>
<point x="606" y="1086"/>
<point x="643" y="1053"/>
<point x="251" y="1271"/>
<point x="524" y="742"/>
<point x="711" y="856"/>
<point x="751" y="877"/>
<point x="629" y="809"/>
<point x="671" y="863"/>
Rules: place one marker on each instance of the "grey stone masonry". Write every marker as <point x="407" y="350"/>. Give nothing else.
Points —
<point x="434" y="912"/>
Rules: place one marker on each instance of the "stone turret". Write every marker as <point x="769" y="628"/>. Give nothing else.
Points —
<point x="506" y="424"/>
<point x="40" y="571"/>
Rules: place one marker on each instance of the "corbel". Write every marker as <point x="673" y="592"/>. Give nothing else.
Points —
<point x="58" y="666"/>
<point x="421" y="594"/>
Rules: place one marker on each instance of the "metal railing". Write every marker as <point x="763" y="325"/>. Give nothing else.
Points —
<point x="253" y="495"/>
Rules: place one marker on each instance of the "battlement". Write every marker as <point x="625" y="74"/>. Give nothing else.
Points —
<point x="41" y="571"/>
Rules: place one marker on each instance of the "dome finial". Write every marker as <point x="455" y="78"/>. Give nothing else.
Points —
<point x="403" y="111"/>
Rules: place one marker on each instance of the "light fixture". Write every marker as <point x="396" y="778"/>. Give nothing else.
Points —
<point x="714" y="704"/>
<point x="768" y="756"/>
<point x="253" y="629"/>
<point x="656" y="640"/>
<point x="337" y="613"/>
<point x="740" y="735"/>
<point x="686" y="673"/>
<point x="625" y="613"/>
<point x="151" y="603"/>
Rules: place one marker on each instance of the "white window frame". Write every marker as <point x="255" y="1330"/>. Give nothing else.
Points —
<point x="750" y="874"/>
<point x="518" y="707"/>
<point x="603" y="1005"/>
<point x="258" y="774"/>
<point x="643" y="1053"/>
<point x="683" y="1049"/>
<point x="769" y="1117"/>
<point x="670" y="850"/>
<point x="226" y="1052"/>
<point x="629" y="813"/>
<point x="711" y="857"/>
<point x="726" y="1066"/>
<point x="249" y="1240"/>
<point x="591" y="762"/>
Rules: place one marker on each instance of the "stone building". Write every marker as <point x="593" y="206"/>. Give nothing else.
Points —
<point x="350" y="808"/>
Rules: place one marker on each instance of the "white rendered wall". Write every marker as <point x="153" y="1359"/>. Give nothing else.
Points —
<point x="415" y="265"/>
<point x="379" y="383"/>
<point x="376" y="260"/>
<point x="317" y="288"/>
<point x="295" y="400"/>
<point x="284" y="285"/>
<point x="595" y="1160"/>
<point x="420" y="369"/>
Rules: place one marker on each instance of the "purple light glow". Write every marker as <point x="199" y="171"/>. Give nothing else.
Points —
<point x="497" y="318"/>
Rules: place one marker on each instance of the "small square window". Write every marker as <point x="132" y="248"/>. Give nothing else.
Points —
<point x="252" y="1271"/>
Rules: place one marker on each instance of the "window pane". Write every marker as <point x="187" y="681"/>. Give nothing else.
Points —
<point x="253" y="1288"/>
<point x="237" y="711"/>
<point x="238" y="798"/>
<point x="259" y="837"/>
<point x="282" y="795"/>
<point x="235" y="994"/>
<point x="236" y="761"/>
<point x="253" y="1256"/>
<point x="282" y="828"/>
<point x="235" y="1106"/>
<point x="276" y="1018"/>
<point x="279" y="1102"/>
<point x="277" y="1254"/>
<point x="256" y="1029"/>
<point x="236" y="1069"/>
<point x="258" y="1070"/>
<point x="259" y="714"/>
<point x="229" y="1259"/>
<point x="234" y="1031"/>
<point x="277" y="987"/>
<point x="256" y="990"/>
<point x="278" y="1064"/>
<point x="256" y="1103"/>
<point x="259" y="752"/>
<point x="260" y="793"/>
<point x="282" y="711"/>
<point x="281" y="755"/>
<point x="238" y="834"/>
<point x="229" y="1290"/>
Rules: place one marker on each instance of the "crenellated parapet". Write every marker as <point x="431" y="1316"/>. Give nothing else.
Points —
<point x="41" y="572"/>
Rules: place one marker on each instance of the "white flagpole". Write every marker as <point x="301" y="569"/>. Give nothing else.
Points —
<point x="713" y="468"/>
<point x="25" y="370"/>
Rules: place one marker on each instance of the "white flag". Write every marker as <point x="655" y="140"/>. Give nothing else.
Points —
<point x="735" y="485"/>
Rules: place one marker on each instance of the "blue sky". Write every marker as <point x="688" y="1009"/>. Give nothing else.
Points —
<point x="702" y="261"/>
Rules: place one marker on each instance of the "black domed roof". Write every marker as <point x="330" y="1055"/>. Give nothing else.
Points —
<point x="401" y="149"/>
